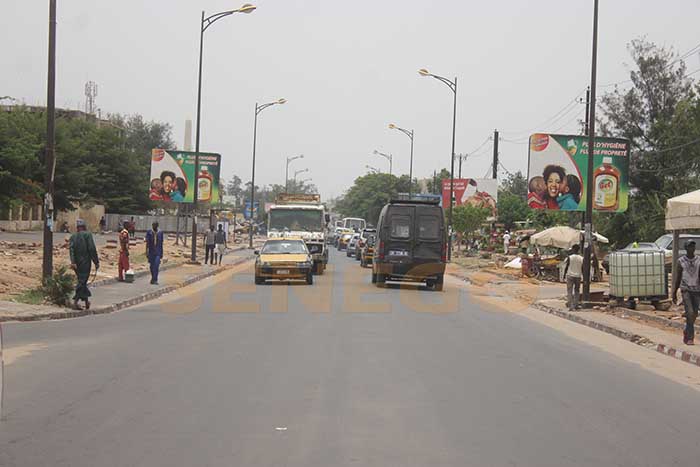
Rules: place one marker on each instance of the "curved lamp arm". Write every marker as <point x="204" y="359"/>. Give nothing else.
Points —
<point x="209" y="20"/>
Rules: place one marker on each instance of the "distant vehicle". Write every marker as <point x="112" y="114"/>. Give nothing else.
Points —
<point x="411" y="244"/>
<point x="301" y="215"/>
<point x="354" y="223"/>
<point x="352" y="245"/>
<point x="362" y="240"/>
<point x="284" y="259"/>
<point x="343" y="241"/>
<point x="367" y="250"/>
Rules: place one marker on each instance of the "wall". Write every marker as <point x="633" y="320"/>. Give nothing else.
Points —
<point x="91" y="216"/>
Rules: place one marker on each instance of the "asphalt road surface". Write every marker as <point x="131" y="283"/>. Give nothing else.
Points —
<point x="335" y="374"/>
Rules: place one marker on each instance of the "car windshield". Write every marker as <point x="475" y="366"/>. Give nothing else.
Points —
<point x="284" y="248"/>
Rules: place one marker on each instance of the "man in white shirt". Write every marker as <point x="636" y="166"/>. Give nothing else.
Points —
<point x="688" y="280"/>
<point x="506" y="242"/>
<point x="573" y="273"/>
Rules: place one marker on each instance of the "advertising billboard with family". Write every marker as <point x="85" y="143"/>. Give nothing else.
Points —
<point x="172" y="176"/>
<point x="557" y="173"/>
<point x="479" y="192"/>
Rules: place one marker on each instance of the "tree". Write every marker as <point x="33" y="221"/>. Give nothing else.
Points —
<point x="466" y="218"/>
<point x="369" y="194"/>
<point x="435" y="183"/>
<point x="660" y="115"/>
<point x="235" y="188"/>
<point x="515" y="184"/>
<point x="512" y="208"/>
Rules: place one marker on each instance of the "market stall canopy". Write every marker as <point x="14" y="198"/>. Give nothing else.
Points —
<point x="683" y="212"/>
<point x="561" y="237"/>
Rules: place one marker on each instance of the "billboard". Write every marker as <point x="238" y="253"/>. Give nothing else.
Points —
<point x="172" y="176"/>
<point x="479" y="192"/>
<point x="246" y="211"/>
<point x="557" y="173"/>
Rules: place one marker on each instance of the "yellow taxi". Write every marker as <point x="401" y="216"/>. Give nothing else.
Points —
<point x="284" y="259"/>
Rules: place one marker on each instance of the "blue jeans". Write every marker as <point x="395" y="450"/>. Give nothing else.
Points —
<point x="691" y="303"/>
<point x="154" y="261"/>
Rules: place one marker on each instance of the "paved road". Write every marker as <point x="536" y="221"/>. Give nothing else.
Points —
<point x="239" y="375"/>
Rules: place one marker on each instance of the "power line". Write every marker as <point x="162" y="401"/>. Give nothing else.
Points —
<point x="471" y="153"/>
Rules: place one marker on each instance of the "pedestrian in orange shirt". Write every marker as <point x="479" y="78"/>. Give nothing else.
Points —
<point x="123" y="252"/>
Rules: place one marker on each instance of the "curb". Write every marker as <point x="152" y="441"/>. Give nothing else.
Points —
<point x="68" y="313"/>
<point x="657" y="319"/>
<point x="682" y="355"/>
<point x="164" y="267"/>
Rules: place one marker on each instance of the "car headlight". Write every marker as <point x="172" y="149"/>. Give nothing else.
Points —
<point x="265" y="265"/>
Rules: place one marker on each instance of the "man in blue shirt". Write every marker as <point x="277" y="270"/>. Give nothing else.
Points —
<point x="154" y="251"/>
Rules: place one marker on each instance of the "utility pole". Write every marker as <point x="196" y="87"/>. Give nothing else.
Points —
<point x="50" y="162"/>
<point x="435" y="188"/>
<point x="495" y="154"/>
<point x="462" y="157"/>
<point x="585" y="132"/>
<point x="588" y="244"/>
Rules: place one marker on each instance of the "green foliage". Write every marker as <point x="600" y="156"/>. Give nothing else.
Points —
<point x="58" y="287"/>
<point x="515" y="184"/>
<point x="435" y="183"/>
<point x="106" y="163"/>
<point x="467" y="218"/>
<point x="660" y="114"/>
<point x="512" y="208"/>
<point x="370" y="193"/>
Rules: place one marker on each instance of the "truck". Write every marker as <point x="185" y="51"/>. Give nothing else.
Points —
<point x="303" y="216"/>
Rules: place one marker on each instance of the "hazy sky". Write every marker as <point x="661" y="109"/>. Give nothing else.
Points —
<point x="346" y="68"/>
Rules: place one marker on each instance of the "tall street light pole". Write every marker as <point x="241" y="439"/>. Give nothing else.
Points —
<point x="300" y="171"/>
<point x="50" y="161"/>
<point x="286" y="173"/>
<point x="588" y="244"/>
<point x="453" y="87"/>
<point x="408" y="133"/>
<point x="204" y="25"/>
<point x="258" y="109"/>
<point x="388" y="157"/>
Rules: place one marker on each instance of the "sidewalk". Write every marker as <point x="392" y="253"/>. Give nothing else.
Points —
<point x="112" y="296"/>
<point x="666" y="339"/>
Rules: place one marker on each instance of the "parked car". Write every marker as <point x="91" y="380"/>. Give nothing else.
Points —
<point x="352" y="245"/>
<point x="411" y="244"/>
<point x="367" y="251"/>
<point x="362" y="240"/>
<point x="284" y="259"/>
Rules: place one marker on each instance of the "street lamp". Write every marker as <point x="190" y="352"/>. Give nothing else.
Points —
<point x="453" y="87"/>
<point x="408" y="133"/>
<point x="286" y="173"/>
<point x="372" y="169"/>
<point x="301" y="171"/>
<point x="388" y="157"/>
<point x="204" y="25"/>
<point x="258" y="109"/>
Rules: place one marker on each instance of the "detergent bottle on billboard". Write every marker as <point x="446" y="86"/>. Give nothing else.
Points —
<point x="204" y="185"/>
<point x="606" y="188"/>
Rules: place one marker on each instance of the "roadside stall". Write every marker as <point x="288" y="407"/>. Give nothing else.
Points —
<point x="682" y="213"/>
<point x="561" y="238"/>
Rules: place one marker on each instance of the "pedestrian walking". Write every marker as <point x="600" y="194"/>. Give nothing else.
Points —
<point x="154" y="251"/>
<point x="209" y="245"/>
<point x="220" y="240"/>
<point x="573" y="272"/>
<point x="132" y="227"/>
<point x="688" y="280"/>
<point x="83" y="254"/>
<point x="506" y="242"/>
<point x="123" y="253"/>
<point x="103" y="224"/>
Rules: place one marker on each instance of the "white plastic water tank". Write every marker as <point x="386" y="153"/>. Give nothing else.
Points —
<point x="637" y="273"/>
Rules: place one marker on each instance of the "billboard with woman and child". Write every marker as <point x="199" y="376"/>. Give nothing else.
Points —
<point x="557" y="173"/>
<point x="172" y="176"/>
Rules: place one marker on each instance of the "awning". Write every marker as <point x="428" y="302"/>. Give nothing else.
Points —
<point x="683" y="212"/>
<point x="562" y="237"/>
